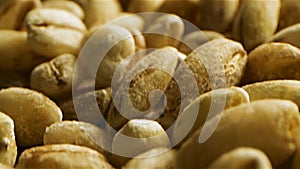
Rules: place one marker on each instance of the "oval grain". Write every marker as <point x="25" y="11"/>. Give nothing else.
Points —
<point x="52" y="32"/>
<point x="31" y="111"/>
<point x="136" y="137"/>
<point x="141" y="85"/>
<point x="269" y="125"/>
<point x="62" y="156"/>
<point x="280" y="60"/>
<point x="122" y="43"/>
<point x="221" y="98"/>
<point x="54" y="78"/>
<point x="219" y="63"/>
<point x="276" y="89"/>
<point x="77" y="133"/>
<point x="256" y="22"/>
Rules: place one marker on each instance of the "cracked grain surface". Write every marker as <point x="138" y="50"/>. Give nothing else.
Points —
<point x="52" y="32"/>
<point x="54" y="78"/>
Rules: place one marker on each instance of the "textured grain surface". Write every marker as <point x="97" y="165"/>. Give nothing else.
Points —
<point x="62" y="156"/>
<point x="217" y="64"/>
<point x="31" y="111"/>
<point x="54" y="78"/>
<point x="78" y="133"/>
<point x="279" y="60"/>
<point x="269" y="125"/>
<point x="52" y="32"/>
<point x="86" y="110"/>
<point x="8" y="147"/>
<point x="134" y="99"/>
